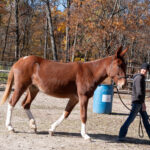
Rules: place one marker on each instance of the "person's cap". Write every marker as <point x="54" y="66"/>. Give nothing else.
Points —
<point x="145" y="66"/>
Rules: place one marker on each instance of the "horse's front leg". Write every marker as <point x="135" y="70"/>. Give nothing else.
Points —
<point x="70" y="105"/>
<point x="83" y="114"/>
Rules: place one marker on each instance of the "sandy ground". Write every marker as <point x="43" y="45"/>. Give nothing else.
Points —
<point x="103" y="128"/>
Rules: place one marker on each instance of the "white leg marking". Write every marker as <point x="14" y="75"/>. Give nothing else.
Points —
<point x="55" y="124"/>
<point x="8" y="118"/>
<point x="83" y="132"/>
<point x="32" y="122"/>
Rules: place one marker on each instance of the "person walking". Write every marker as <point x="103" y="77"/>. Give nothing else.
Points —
<point x="138" y="103"/>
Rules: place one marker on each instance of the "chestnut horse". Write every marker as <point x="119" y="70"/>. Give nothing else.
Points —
<point x="75" y="80"/>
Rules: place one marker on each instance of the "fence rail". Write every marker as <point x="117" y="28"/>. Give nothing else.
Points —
<point x="4" y="71"/>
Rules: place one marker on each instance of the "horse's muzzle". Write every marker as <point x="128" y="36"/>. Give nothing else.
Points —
<point x="121" y="83"/>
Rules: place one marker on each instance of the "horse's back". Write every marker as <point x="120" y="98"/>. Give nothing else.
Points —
<point x="53" y="78"/>
<point x="58" y="79"/>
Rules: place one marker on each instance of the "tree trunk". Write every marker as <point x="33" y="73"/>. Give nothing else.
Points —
<point x="74" y="43"/>
<point x="17" y="53"/>
<point x="51" y="31"/>
<point x="46" y="41"/>
<point x="85" y="56"/>
<point x="6" y="36"/>
<point x="67" y="32"/>
<point x="111" y="17"/>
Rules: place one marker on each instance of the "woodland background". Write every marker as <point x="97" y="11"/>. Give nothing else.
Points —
<point x="74" y="30"/>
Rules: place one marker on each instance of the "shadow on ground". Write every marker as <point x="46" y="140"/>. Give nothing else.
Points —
<point x="105" y="137"/>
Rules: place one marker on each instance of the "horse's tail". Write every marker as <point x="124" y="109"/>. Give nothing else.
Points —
<point x="8" y="87"/>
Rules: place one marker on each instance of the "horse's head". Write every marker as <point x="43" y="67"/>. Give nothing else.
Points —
<point x="117" y="69"/>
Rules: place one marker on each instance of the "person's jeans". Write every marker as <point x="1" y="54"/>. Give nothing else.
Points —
<point x="135" y="109"/>
<point x="145" y="119"/>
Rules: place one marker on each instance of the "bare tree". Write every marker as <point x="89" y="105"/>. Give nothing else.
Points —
<point x="46" y="39"/>
<point x="74" y="43"/>
<point x="67" y="32"/>
<point x="6" y="35"/>
<point x="17" y="53"/>
<point x="51" y="31"/>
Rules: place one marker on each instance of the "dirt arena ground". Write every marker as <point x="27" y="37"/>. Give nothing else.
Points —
<point x="103" y="128"/>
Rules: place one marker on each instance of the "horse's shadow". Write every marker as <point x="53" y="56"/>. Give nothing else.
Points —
<point x="104" y="137"/>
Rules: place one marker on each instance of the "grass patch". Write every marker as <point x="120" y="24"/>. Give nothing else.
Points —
<point x="3" y="75"/>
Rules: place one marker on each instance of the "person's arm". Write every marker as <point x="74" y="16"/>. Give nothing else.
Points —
<point x="140" y="92"/>
<point x="138" y="88"/>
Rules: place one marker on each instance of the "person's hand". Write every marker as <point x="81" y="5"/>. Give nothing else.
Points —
<point x="143" y="107"/>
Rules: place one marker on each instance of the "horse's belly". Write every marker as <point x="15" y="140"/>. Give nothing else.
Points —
<point x="57" y="90"/>
<point x="61" y="92"/>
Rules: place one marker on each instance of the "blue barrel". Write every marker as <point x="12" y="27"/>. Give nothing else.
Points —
<point x="102" y="99"/>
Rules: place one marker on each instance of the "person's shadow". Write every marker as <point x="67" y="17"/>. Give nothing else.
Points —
<point x="114" y="139"/>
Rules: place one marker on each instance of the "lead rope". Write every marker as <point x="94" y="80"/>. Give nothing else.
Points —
<point x="140" y="130"/>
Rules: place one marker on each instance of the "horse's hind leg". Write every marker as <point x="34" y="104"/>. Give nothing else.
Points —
<point x="70" y="105"/>
<point x="31" y="93"/>
<point x="15" y="97"/>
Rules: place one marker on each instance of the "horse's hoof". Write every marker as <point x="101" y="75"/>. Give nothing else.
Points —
<point x="11" y="131"/>
<point x="89" y="140"/>
<point x="86" y="137"/>
<point x="35" y="130"/>
<point x="51" y="133"/>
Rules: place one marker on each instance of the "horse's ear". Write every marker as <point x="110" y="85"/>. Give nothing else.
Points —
<point x="118" y="52"/>
<point x="123" y="52"/>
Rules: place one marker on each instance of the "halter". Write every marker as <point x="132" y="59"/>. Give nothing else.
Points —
<point x="125" y="77"/>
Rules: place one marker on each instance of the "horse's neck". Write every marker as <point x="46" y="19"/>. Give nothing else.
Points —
<point x="100" y="68"/>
